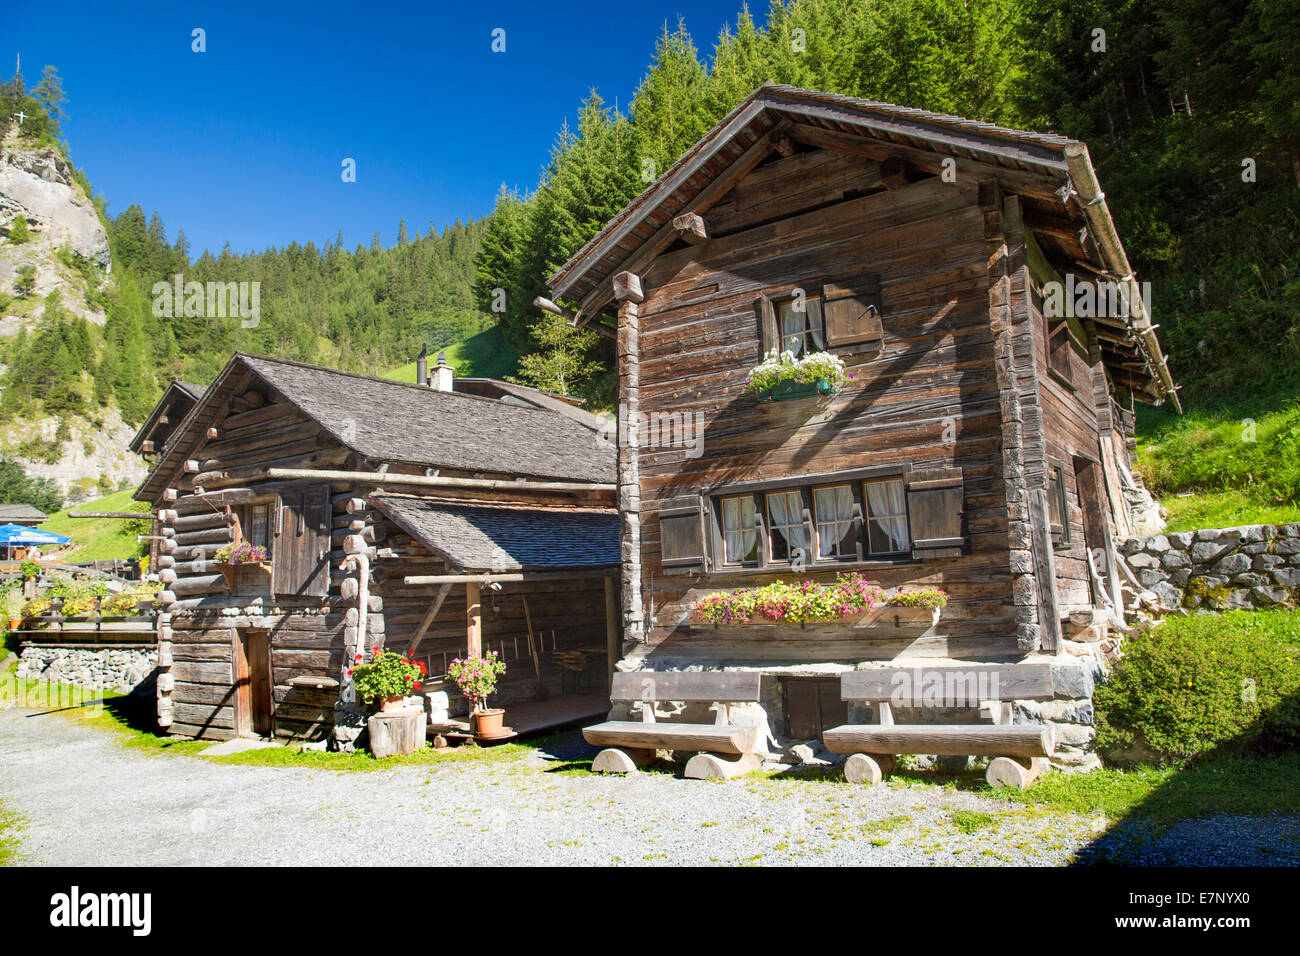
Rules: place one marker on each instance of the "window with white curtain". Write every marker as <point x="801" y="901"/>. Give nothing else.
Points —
<point x="802" y="329"/>
<point x="837" y="528"/>
<point x="787" y="533"/>
<point x="886" y="515"/>
<point x="739" y="530"/>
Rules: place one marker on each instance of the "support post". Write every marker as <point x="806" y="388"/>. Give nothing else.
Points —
<point x="629" y="291"/>
<point x="612" y="648"/>
<point x="473" y="621"/>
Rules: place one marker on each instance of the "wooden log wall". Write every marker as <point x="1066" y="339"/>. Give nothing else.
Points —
<point x="699" y="337"/>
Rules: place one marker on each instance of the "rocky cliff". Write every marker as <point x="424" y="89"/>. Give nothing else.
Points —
<point x="68" y="249"/>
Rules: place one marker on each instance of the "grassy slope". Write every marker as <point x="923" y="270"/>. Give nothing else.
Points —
<point x="99" y="538"/>
<point x="1206" y="469"/>
<point x="485" y="355"/>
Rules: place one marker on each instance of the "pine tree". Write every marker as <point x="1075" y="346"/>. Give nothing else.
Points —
<point x="18" y="231"/>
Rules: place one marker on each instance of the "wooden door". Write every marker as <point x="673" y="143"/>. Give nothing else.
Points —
<point x="254" y="704"/>
<point x="812" y="705"/>
<point x="1094" y="521"/>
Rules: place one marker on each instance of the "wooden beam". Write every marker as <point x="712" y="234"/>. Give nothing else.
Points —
<point x="611" y="629"/>
<point x="517" y="577"/>
<point x="627" y="287"/>
<point x="108" y="514"/>
<point x="429" y="615"/>
<point x="473" y="621"/>
<point x="691" y="228"/>
<point x="893" y="172"/>
<point x="436" y="481"/>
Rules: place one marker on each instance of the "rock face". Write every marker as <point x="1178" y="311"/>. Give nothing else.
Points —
<point x="1218" y="569"/>
<point x="93" y="459"/>
<point x="38" y="184"/>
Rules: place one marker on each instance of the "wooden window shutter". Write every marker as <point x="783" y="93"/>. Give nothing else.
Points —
<point x="934" y="506"/>
<point x="681" y="535"/>
<point x="300" y="555"/>
<point x="851" y="310"/>
<point x="769" y="335"/>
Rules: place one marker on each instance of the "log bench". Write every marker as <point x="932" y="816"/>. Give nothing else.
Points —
<point x="721" y="749"/>
<point x="992" y="687"/>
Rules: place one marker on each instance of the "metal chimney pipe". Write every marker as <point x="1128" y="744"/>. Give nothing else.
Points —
<point x="422" y="367"/>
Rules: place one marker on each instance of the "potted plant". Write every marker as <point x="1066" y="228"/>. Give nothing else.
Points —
<point x="246" y="568"/>
<point x="14" y="607"/>
<point x="783" y="376"/>
<point x="387" y="679"/>
<point x="477" y="679"/>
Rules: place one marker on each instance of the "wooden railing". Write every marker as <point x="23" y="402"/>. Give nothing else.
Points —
<point x="95" y="621"/>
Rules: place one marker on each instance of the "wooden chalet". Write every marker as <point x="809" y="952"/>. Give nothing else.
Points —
<point x="407" y="516"/>
<point x="979" y="445"/>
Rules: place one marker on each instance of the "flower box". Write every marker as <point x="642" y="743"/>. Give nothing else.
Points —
<point x="790" y="390"/>
<point x="248" y="577"/>
<point x="882" y="617"/>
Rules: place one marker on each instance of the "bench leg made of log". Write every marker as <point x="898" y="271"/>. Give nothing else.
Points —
<point x="1008" y="772"/>
<point x="868" y="768"/>
<point x="713" y="767"/>
<point x="627" y="760"/>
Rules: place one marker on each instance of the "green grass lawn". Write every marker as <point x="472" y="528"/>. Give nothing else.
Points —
<point x="485" y="355"/>
<point x="1217" y="468"/>
<point x="97" y="539"/>
<point x="10" y="824"/>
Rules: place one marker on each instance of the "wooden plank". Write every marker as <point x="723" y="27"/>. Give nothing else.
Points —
<point x="670" y="736"/>
<point x="1021" y="740"/>
<point x="948" y="686"/>
<point x="473" y="621"/>
<point x="686" y="686"/>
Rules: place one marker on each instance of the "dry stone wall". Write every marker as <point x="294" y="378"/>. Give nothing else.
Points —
<point x="1256" y="566"/>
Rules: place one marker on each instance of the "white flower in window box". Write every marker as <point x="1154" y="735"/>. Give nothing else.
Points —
<point x="782" y="376"/>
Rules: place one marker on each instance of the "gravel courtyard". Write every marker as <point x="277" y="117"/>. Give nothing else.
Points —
<point x="86" y="800"/>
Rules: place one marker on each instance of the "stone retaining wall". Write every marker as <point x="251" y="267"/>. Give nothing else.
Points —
<point x="123" y="669"/>
<point x="1221" y="569"/>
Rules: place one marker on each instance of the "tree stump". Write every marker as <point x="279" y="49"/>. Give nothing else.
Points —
<point x="396" y="732"/>
<point x="627" y="760"/>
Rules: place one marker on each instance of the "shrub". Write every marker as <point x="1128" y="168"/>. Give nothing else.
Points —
<point x="1193" y="685"/>
<point x="930" y="597"/>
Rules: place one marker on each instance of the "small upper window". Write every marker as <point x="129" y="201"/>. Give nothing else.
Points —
<point x="739" y="530"/>
<point x="255" y="525"/>
<point x="887" y="531"/>
<point x="802" y="329"/>
<point x="1056" y="506"/>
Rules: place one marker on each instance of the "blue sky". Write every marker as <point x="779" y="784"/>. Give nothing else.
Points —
<point x="244" y="142"/>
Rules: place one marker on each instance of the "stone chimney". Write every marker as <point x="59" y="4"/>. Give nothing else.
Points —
<point x="422" y="367"/>
<point x="442" y="374"/>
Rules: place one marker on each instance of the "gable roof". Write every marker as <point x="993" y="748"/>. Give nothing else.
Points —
<point x="1052" y="174"/>
<point x="383" y="420"/>
<point x="500" y="538"/>
<point x="176" y="401"/>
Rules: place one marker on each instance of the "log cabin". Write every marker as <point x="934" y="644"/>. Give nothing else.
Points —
<point x="412" y="517"/>
<point x="978" y="445"/>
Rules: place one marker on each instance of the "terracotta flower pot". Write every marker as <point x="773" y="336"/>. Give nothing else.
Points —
<point x="15" y="623"/>
<point x="488" y="723"/>
<point x="392" y="703"/>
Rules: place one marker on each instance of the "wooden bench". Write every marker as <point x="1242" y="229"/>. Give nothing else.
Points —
<point x="990" y="686"/>
<point x="721" y="749"/>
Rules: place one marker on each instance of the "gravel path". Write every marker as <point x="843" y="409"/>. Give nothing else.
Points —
<point x="88" y="801"/>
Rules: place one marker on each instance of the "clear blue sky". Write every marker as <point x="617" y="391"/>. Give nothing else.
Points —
<point x="243" y="143"/>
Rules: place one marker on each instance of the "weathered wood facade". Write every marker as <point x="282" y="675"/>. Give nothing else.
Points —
<point x="976" y="445"/>
<point x="356" y="486"/>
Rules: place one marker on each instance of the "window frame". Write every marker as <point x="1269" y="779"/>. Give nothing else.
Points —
<point x="807" y="486"/>
<point x="722" y="531"/>
<point x="780" y="302"/>
<point x="244" y="515"/>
